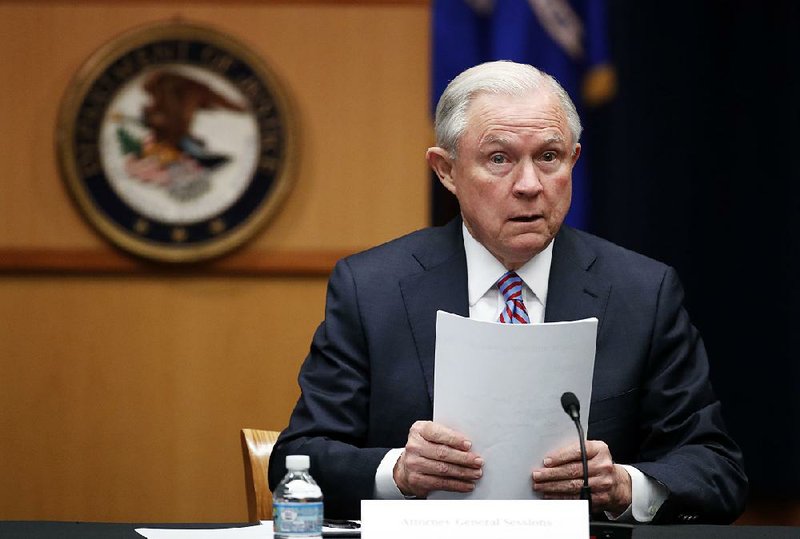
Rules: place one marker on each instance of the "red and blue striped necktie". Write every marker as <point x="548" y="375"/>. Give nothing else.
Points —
<point x="510" y="285"/>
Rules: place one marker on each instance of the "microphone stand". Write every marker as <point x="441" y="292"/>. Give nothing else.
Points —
<point x="572" y="407"/>
<point x="586" y="491"/>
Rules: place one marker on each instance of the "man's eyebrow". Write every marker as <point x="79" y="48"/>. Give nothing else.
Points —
<point x="494" y="139"/>
<point x="554" y="139"/>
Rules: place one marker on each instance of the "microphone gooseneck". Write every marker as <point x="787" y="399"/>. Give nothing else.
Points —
<point x="572" y="407"/>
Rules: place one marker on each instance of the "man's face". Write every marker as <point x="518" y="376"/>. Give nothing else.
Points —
<point x="512" y="174"/>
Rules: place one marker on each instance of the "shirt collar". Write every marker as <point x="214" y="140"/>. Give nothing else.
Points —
<point x="483" y="269"/>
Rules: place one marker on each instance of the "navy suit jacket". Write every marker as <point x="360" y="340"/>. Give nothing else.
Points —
<point x="369" y="373"/>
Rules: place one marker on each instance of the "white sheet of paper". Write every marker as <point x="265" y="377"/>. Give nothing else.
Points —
<point x="247" y="532"/>
<point x="501" y="385"/>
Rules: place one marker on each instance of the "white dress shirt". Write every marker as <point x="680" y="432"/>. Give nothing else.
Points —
<point x="486" y="303"/>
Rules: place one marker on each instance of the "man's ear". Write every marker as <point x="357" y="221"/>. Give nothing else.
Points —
<point x="576" y="154"/>
<point x="442" y="164"/>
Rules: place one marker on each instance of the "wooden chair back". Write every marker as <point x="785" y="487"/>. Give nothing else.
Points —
<point x="256" y="448"/>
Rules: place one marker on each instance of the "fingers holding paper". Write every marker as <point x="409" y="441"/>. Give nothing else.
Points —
<point x="436" y="458"/>
<point x="561" y="477"/>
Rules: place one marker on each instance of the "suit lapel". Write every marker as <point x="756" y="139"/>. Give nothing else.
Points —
<point x="574" y="292"/>
<point x="440" y="285"/>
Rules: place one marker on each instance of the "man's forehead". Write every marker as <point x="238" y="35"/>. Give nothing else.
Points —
<point x="540" y="97"/>
<point x="516" y="109"/>
<point x="546" y="127"/>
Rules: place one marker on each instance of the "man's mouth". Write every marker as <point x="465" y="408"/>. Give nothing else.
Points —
<point x="525" y="218"/>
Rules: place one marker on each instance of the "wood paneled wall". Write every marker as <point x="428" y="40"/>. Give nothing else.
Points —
<point x="121" y="394"/>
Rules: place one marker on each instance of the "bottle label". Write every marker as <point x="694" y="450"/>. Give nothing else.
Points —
<point x="302" y="519"/>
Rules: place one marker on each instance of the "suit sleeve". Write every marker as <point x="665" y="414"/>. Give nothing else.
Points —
<point x="685" y="445"/>
<point x="330" y="420"/>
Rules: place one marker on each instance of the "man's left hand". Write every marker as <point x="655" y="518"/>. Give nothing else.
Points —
<point x="561" y="478"/>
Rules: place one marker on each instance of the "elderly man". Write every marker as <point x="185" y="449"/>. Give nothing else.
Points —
<point x="507" y="139"/>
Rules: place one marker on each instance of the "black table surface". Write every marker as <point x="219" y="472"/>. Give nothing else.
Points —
<point x="37" y="529"/>
<point x="11" y="529"/>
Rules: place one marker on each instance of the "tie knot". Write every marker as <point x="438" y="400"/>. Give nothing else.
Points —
<point x="514" y="311"/>
<point x="510" y="285"/>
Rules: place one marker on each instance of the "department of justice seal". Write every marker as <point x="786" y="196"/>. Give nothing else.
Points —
<point x="176" y="142"/>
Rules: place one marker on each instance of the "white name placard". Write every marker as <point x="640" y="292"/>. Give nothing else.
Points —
<point x="474" y="519"/>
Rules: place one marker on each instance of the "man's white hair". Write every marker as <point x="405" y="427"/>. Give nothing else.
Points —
<point x="502" y="78"/>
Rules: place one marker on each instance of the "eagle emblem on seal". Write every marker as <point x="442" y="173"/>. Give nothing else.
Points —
<point x="176" y="141"/>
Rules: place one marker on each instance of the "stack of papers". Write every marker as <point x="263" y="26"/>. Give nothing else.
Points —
<point x="501" y="386"/>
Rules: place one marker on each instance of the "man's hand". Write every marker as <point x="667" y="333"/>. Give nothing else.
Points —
<point x="436" y="458"/>
<point x="562" y="477"/>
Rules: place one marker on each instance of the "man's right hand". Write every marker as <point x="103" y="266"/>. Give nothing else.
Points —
<point x="436" y="458"/>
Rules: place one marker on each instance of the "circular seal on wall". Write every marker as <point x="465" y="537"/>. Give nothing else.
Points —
<point x="176" y="141"/>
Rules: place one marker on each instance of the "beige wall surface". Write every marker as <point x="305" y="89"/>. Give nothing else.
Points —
<point x="121" y="395"/>
<point x="358" y="75"/>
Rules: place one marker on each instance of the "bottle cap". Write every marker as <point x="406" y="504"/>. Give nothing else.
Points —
<point x="298" y="462"/>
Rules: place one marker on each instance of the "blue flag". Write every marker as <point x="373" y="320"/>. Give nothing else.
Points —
<point x="565" y="38"/>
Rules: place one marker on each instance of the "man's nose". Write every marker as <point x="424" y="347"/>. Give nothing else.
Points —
<point x="527" y="182"/>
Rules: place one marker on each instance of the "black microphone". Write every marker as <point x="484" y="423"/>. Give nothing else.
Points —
<point x="572" y="407"/>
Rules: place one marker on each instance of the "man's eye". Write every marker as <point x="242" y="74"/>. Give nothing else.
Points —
<point x="549" y="156"/>
<point x="497" y="159"/>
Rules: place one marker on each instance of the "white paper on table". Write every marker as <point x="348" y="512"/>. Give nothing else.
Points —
<point x="247" y="532"/>
<point x="501" y="385"/>
<point x="264" y="531"/>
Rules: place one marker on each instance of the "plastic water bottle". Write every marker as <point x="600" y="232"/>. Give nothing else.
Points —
<point x="297" y="502"/>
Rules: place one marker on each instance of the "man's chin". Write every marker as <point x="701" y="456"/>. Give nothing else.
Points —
<point x="525" y="247"/>
<point x="535" y="241"/>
